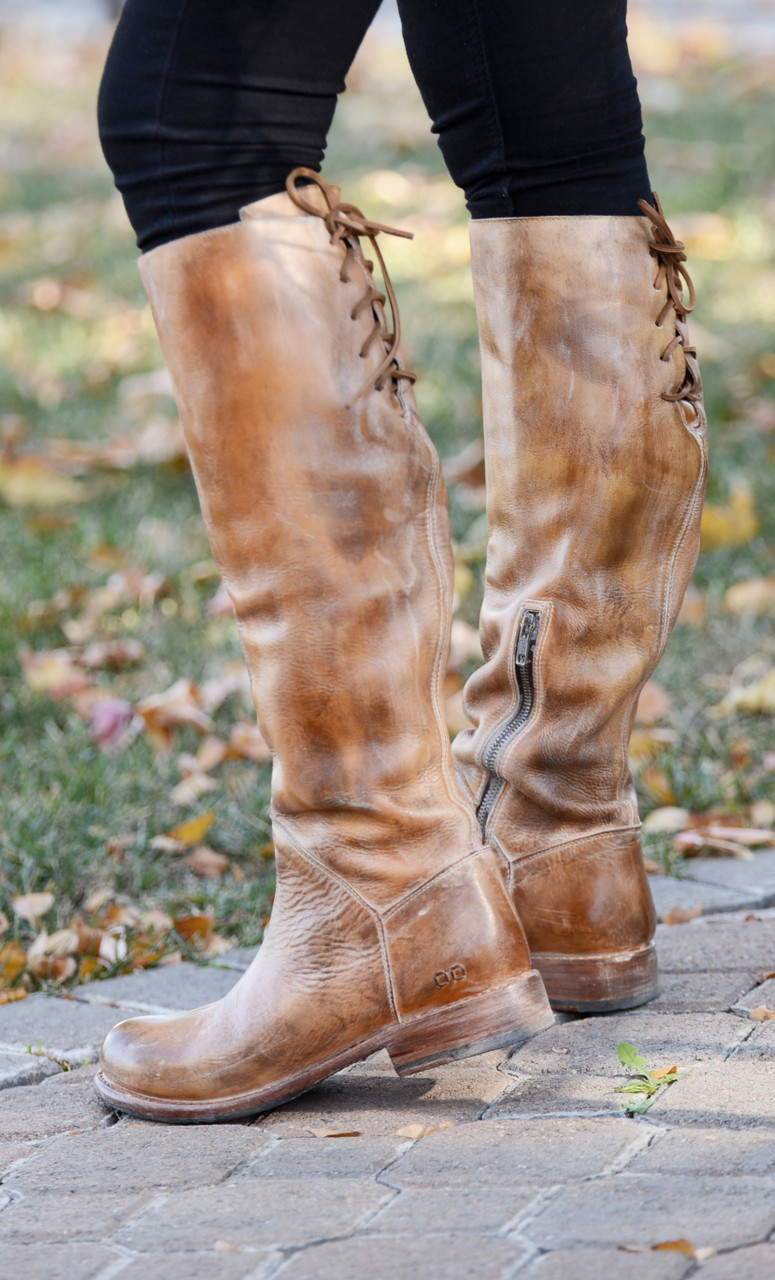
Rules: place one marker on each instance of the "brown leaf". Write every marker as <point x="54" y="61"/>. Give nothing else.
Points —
<point x="335" y="1133"/>
<point x="212" y="751"/>
<point x="661" y="1072"/>
<point x="647" y="744"/>
<point x="176" y="706"/>
<point x="8" y="995"/>
<point x="246" y="741"/>
<point x="762" y="1014"/>
<point x="658" y="785"/>
<point x="193" y="831"/>
<point x="31" y="906"/>
<point x="157" y="921"/>
<point x="192" y="788"/>
<point x="112" y="654"/>
<point x="192" y="928"/>
<point x="215" y="946"/>
<point x="681" y="915"/>
<point x="205" y="862"/>
<point x="54" y="968"/>
<point x="653" y="704"/>
<point x="110" y="721"/>
<point x="653" y="868"/>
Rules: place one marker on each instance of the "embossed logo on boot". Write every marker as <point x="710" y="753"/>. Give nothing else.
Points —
<point x="456" y="974"/>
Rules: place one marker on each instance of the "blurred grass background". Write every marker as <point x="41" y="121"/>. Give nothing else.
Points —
<point x="79" y="364"/>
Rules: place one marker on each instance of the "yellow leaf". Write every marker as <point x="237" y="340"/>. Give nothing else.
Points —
<point x="675" y="1246"/>
<point x="54" y="671"/>
<point x="732" y="525"/>
<point x="662" y="1072"/>
<point x="658" y="785"/>
<point x="193" y="831"/>
<point x="31" y="906"/>
<point x="681" y="915"/>
<point x="32" y="481"/>
<point x="757" y="595"/>
<point x="8" y="996"/>
<point x="13" y="961"/>
<point x="756" y="697"/>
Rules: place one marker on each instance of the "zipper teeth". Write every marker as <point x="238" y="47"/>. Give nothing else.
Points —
<point x="524" y="672"/>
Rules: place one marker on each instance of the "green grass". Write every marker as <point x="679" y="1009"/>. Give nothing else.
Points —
<point x="75" y="817"/>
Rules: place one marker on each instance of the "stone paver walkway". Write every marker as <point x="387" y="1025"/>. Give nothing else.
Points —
<point x="489" y="1168"/>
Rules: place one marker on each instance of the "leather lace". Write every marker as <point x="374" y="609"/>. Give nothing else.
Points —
<point x="346" y="225"/>
<point x="671" y="256"/>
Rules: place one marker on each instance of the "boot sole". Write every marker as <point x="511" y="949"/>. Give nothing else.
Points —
<point x="600" y="984"/>
<point x="501" y="1019"/>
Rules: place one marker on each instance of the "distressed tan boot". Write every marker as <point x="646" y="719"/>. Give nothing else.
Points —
<point x="392" y="927"/>
<point x="595" y="441"/>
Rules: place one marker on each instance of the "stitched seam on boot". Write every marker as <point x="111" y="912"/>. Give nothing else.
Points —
<point x="372" y="911"/>
<point x="439" y="875"/>
<point x="568" y="844"/>
<point x="447" y="766"/>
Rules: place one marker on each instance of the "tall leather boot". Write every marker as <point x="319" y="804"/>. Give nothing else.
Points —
<point x="322" y="496"/>
<point x="595" y="441"/>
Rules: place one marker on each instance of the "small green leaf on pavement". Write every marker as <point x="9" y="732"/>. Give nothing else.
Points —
<point x="629" y="1057"/>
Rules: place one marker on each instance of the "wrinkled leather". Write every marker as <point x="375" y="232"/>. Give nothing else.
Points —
<point x="329" y="526"/>
<point x="594" y="495"/>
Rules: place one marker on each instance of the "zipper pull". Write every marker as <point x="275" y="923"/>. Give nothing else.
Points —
<point x="528" y="630"/>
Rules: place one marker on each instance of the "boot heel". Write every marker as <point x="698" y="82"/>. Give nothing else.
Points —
<point x="600" y="984"/>
<point x="496" y="1020"/>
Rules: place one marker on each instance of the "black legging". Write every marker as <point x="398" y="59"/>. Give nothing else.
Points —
<point x="206" y="105"/>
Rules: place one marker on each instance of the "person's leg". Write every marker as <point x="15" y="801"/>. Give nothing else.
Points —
<point x="323" y="500"/>
<point x="595" y="458"/>
<point x="205" y="107"/>
<point x="534" y="102"/>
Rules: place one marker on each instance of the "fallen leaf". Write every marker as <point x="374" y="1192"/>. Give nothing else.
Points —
<point x="224" y="1246"/>
<point x="335" y="1133"/>
<point x="762" y="814"/>
<point x="653" y="868"/>
<point x="176" y="706"/>
<point x="112" y="654"/>
<point x="193" y="831"/>
<point x="759" y="696"/>
<point x="212" y="751"/>
<point x="215" y="945"/>
<point x="413" y="1131"/>
<point x="661" y="1072"/>
<point x="31" y="906"/>
<point x="756" y="595"/>
<point x="646" y="744"/>
<point x="53" y="968"/>
<point x="702" y="1255"/>
<point x="4" y="922"/>
<point x="31" y="480"/>
<point x="192" y="788"/>
<point x="653" y="704"/>
<point x="731" y="525"/>
<point x="694" y="608"/>
<point x="192" y="928"/>
<point x="13" y="961"/>
<point x="167" y="844"/>
<point x="110" y="720"/>
<point x="9" y="995"/>
<point x="206" y="862"/>
<point x="53" y="671"/>
<point x="675" y="1246"/>
<point x="681" y="915"/>
<point x="668" y="819"/>
<point x="157" y="921"/>
<point x="762" y="1014"/>
<point x="658" y="785"/>
<point x="246" y="741"/>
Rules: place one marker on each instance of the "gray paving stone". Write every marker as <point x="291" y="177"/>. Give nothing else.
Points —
<point x="240" y="958"/>
<point x="595" y="1264"/>
<point x="67" y="1029"/>
<point x="719" y="1213"/>
<point x="64" y="1102"/>
<point x="473" y="1210"/>
<point x="176" y="986"/>
<point x="137" y="1157"/>
<point x="755" y="1263"/>
<point x="66" y="1217"/>
<point x="701" y="992"/>
<point x="755" y="878"/>
<point x="573" y="1095"/>
<point x="760" y="1046"/>
<point x="708" y="1151"/>
<point x="762" y="994"/>
<point x="193" y="1266"/>
<point x="10" y="1152"/>
<point x="736" y="1094"/>
<point x="714" y="943"/>
<point x="662" y="1038"/>
<point x="54" y="1261"/>
<point x="512" y="1152"/>
<point x="19" y="1068"/>
<point x="283" y="1215"/>
<point x="323" y="1158"/>
<point x="669" y="892"/>
<point x="374" y="1101"/>
<point x="432" y="1258"/>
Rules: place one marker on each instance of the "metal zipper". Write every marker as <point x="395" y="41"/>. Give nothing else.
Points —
<point x="523" y="667"/>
